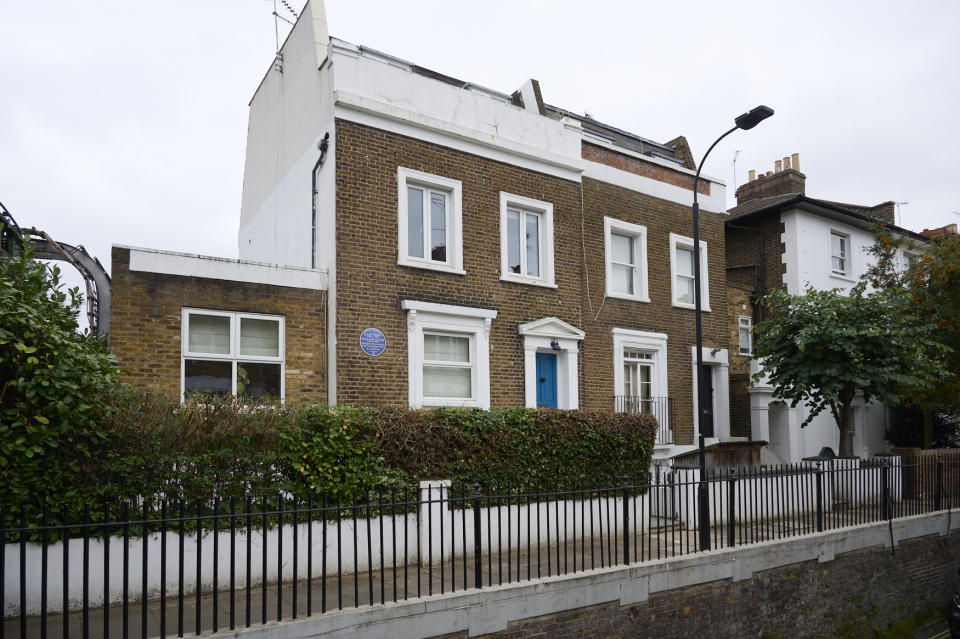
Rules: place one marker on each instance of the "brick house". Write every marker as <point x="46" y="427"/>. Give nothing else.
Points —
<point x="467" y="247"/>
<point x="778" y="238"/>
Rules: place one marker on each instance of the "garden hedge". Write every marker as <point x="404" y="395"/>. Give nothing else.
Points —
<point x="157" y="448"/>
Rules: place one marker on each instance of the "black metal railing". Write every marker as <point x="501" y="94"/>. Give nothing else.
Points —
<point x="146" y="569"/>
<point x="660" y="407"/>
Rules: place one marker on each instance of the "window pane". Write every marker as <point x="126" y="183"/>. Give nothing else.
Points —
<point x="256" y="380"/>
<point x="744" y="340"/>
<point x="513" y="241"/>
<point x="414" y="222"/>
<point x="445" y="381"/>
<point x="209" y="334"/>
<point x="446" y="348"/>
<point x="644" y="379"/>
<point x="685" y="290"/>
<point x="622" y="248"/>
<point x="623" y="279"/>
<point x="839" y="265"/>
<point x="259" y="337"/>
<point x="685" y="260"/>
<point x="628" y="389"/>
<point x="438" y="227"/>
<point x="206" y="377"/>
<point x="533" y="245"/>
<point x="839" y="245"/>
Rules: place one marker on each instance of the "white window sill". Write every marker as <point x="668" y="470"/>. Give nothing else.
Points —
<point x="431" y="266"/>
<point x="519" y="279"/>
<point x="441" y="402"/>
<point x="843" y="277"/>
<point x="624" y="296"/>
<point x="705" y="308"/>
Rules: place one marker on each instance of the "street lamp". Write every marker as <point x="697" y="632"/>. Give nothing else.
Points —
<point x="747" y="121"/>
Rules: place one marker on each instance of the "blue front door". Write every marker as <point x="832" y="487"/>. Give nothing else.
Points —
<point x="547" y="380"/>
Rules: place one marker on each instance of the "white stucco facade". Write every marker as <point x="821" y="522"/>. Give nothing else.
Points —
<point x="807" y="257"/>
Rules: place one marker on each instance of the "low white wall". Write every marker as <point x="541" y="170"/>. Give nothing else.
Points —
<point x="502" y="527"/>
<point x="846" y="483"/>
<point x="490" y="610"/>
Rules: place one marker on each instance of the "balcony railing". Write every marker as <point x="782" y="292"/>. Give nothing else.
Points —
<point x="660" y="407"/>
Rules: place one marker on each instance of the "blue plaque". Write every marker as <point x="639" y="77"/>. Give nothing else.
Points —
<point x="373" y="342"/>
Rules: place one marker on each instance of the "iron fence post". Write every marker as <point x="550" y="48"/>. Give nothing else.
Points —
<point x="938" y="484"/>
<point x="626" y="520"/>
<point x="819" y="475"/>
<point x="731" y="510"/>
<point x="477" y="563"/>
<point x="884" y="490"/>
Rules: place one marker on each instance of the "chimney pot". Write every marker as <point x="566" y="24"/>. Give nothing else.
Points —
<point x="796" y="161"/>
<point x="777" y="166"/>
<point x="786" y="163"/>
<point x="752" y="175"/>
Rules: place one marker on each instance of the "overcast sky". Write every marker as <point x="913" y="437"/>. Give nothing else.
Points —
<point x="125" y="122"/>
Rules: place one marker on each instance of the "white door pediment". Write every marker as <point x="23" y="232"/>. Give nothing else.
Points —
<point x="550" y="327"/>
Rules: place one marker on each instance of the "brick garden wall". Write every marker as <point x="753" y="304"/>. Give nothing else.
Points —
<point x="146" y="322"/>
<point x="856" y="595"/>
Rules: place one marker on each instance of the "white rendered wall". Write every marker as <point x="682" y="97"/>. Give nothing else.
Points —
<point x="289" y="114"/>
<point x="600" y="518"/>
<point x="806" y="240"/>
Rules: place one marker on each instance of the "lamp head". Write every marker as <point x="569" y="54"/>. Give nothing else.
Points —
<point x="753" y="117"/>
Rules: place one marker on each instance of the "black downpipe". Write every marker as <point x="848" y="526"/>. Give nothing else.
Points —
<point x="322" y="146"/>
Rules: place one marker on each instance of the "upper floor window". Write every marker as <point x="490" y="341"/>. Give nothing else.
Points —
<point x="225" y="353"/>
<point x="681" y="272"/>
<point x="839" y="253"/>
<point x="909" y="260"/>
<point x="625" y="246"/>
<point x="429" y="221"/>
<point x="526" y="240"/>
<point x="746" y="338"/>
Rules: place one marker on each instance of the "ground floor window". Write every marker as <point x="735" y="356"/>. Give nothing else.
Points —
<point x="231" y="353"/>
<point x="640" y="374"/>
<point x="448" y="354"/>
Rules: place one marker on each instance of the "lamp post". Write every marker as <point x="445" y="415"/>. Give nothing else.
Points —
<point x="746" y="121"/>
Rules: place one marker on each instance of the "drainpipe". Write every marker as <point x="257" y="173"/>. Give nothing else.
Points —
<point x="322" y="146"/>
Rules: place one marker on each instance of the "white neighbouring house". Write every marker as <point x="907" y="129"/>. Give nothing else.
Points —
<point x="777" y="237"/>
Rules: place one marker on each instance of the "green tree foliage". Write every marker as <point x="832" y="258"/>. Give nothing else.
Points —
<point x="931" y="288"/>
<point x="56" y="385"/>
<point x="825" y="347"/>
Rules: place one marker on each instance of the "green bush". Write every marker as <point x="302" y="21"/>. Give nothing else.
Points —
<point x="57" y="386"/>
<point x="157" y="448"/>
<point x="329" y="451"/>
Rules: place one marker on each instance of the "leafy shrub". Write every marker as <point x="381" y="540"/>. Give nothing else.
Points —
<point x="330" y="451"/>
<point x="57" y="386"/>
<point x="157" y="448"/>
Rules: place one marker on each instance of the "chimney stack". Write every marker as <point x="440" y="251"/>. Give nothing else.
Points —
<point x="785" y="178"/>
